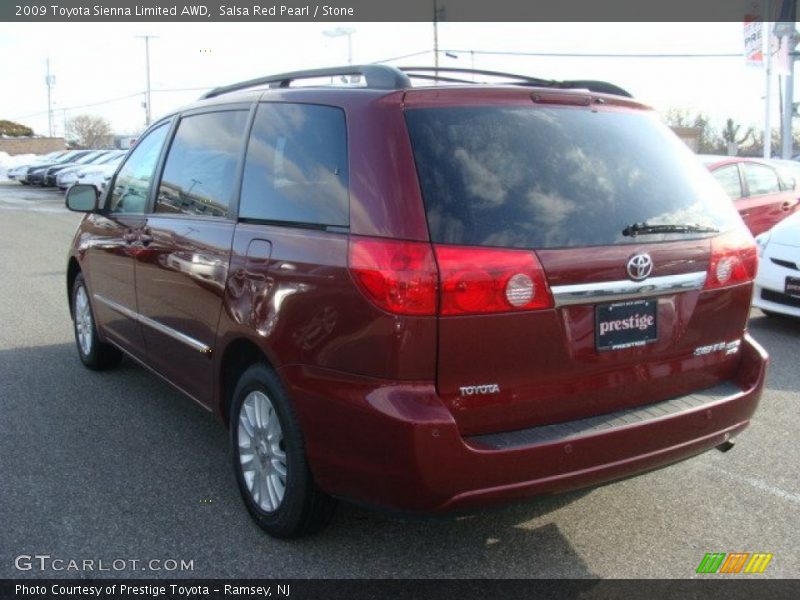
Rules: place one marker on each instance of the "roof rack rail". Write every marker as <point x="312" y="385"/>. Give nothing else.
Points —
<point x="601" y="87"/>
<point x="415" y="72"/>
<point x="379" y="77"/>
<point x="387" y="77"/>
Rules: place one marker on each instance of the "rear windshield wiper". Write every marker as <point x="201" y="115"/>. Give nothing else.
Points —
<point x="643" y="228"/>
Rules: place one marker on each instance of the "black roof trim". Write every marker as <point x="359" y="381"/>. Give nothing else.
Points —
<point x="378" y="77"/>
<point x="387" y="77"/>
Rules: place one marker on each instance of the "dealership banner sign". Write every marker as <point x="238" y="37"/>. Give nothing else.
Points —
<point x="753" y="40"/>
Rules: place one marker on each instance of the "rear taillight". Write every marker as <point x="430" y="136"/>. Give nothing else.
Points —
<point x="489" y="280"/>
<point x="402" y="278"/>
<point x="734" y="260"/>
<point x="398" y="276"/>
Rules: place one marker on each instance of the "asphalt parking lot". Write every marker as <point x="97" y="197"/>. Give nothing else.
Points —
<point x="118" y="465"/>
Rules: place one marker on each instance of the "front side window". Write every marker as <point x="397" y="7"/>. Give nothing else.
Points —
<point x="761" y="179"/>
<point x="728" y="178"/>
<point x="132" y="184"/>
<point x="296" y="166"/>
<point x="200" y="171"/>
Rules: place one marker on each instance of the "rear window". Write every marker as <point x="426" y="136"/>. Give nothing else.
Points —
<point x="533" y="177"/>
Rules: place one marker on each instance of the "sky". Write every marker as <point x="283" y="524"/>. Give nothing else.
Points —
<point x="103" y="64"/>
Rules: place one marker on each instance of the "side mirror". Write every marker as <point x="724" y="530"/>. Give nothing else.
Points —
<point x="82" y="198"/>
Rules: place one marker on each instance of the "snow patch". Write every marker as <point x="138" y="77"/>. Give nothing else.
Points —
<point x="8" y="161"/>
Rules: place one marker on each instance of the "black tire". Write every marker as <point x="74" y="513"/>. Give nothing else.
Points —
<point x="304" y="508"/>
<point x="95" y="354"/>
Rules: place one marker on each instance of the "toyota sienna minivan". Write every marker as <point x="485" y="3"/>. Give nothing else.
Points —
<point x="423" y="297"/>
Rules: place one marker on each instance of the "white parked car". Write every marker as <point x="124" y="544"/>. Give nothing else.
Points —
<point x="19" y="172"/>
<point x="68" y="177"/>
<point x="98" y="175"/>
<point x="777" y="287"/>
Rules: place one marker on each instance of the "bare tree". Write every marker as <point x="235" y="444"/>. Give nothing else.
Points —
<point x="731" y="136"/>
<point x="90" y="131"/>
<point x="710" y="141"/>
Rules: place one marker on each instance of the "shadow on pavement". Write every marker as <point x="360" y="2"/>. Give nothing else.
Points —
<point x="119" y="465"/>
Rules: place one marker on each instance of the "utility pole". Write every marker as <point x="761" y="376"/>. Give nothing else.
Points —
<point x="785" y="30"/>
<point x="50" y="80"/>
<point x="147" y="113"/>
<point x="343" y="31"/>
<point x="768" y="84"/>
<point x="436" y="37"/>
<point x="788" y="99"/>
<point x="438" y="15"/>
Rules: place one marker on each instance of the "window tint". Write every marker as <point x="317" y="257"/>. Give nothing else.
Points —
<point x="541" y="177"/>
<point x="761" y="179"/>
<point x="728" y="178"/>
<point x="132" y="184"/>
<point x="200" y="170"/>
<point x="296" y="167"/>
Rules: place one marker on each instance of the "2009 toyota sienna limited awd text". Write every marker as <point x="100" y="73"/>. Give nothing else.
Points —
<point x="424" y="297"/>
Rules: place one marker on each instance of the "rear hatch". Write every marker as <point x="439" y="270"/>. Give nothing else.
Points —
<point x="587" y="261"/>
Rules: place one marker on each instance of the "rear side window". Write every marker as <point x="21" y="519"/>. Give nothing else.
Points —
<point x="540" y="177"/>
<point x="200" y="171"/>
<point x="761" y="179"/>
<point x="728" y="177"/>
<point x="296" y="166"/>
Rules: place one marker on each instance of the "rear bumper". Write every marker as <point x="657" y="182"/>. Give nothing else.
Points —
<point x="397" y="445"/>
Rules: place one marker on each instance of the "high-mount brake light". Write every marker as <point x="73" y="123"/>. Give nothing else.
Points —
<point x="734" y="260"/>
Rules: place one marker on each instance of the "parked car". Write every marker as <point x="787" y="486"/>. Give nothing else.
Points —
<point x="777" y="289"/>
<point x="761" y="195"/>
<point x="92" y="157"/>
<point x="69" y="175"/>
<point x="36" y="174"/>
<point x="99" y="175"/>
<point x="789" y="171"/>
<point x="424" y="298"/>
<point x="20" y="172"/>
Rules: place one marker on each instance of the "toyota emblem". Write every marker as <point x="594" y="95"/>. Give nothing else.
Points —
<point x="640" y="266"/>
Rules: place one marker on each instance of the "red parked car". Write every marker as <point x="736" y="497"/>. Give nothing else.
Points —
<point x="424" y="298"/>
<point x="761" y="194"/>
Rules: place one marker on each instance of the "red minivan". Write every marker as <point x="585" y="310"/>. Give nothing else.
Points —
<point x="424" y="298"/>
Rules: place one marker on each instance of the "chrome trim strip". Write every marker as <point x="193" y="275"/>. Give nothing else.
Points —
<point x="177" y="335"/>
<point x="608" y="291"/>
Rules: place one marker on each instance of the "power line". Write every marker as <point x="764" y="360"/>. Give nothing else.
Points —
<point x="385" y="60"/>
<point x="99" y="103"/>
<point x="601" y="55"/>
<point x="112" y="100"/>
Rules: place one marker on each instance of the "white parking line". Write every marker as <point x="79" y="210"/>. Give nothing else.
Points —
<point x="760" y="485"/>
